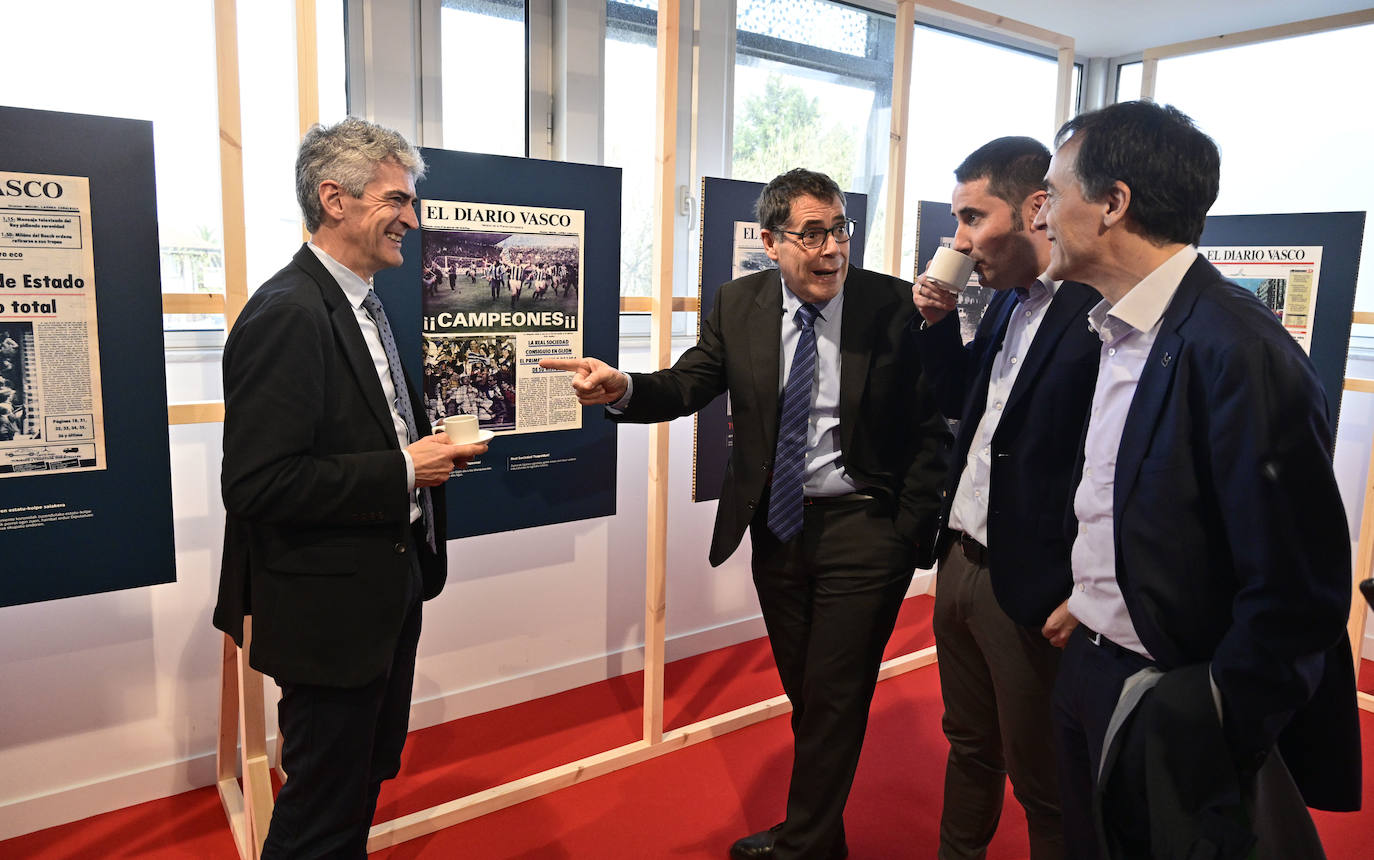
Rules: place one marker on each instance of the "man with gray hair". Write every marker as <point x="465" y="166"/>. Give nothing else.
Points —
<point x="334" y="506"/>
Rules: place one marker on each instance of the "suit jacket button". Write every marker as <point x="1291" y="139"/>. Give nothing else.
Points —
<point x="400" y="549"/>
<point x="751" y="506"/>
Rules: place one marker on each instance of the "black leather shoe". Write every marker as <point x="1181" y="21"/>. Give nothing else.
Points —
<point x="756" y="846"/>
<point x="759" y="846"/>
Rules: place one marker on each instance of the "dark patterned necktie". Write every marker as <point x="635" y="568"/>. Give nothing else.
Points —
<point x="373" y="306"/>
<point x="789" y="461"/>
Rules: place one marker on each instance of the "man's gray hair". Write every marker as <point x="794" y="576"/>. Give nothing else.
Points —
<point x="348" y="153"/>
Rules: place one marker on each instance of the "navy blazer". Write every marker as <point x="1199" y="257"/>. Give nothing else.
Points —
<point x="314" y="483"/>
<point x="1230" y="536"/>
<point x="892" y="439"/>
<point x="1036" y="444"/>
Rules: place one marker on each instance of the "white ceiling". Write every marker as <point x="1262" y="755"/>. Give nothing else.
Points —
<point x="1114" y="28"/>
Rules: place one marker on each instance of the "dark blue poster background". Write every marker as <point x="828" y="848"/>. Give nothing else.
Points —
<point x="122" y="537"/>
<point x="1339" y="234"/>
<point x="579" y="480"/>
<point x="723" y="202"/>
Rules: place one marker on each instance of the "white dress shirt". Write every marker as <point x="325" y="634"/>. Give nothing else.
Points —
<point x="1128" y="330"/>
<point x="355" y="290"/>
<point x="969" y="512"/>
<point x="824" y="471"/>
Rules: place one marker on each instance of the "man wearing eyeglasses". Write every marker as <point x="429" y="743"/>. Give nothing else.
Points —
<point x="838" y="459"/>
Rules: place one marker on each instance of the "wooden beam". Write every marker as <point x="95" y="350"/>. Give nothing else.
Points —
<point x="896" y="138"/>
<point x="1149" y="72"/>
<point x="906" y="662"/>
<point x="202" y="412"/>
<point x="193" y="303"/>
<point x="1354" y="383"/>
<point x="250" y="810"/>
<point x="1363" y="318"/>
<point x="1001" y="23"/>
<point x="436" y="818"/>
<point x="660" y="347"/>
<point x="645" y="304"/>
<point x="307" y="72"/>
<point x="226" y="750"/>
<point x="254" y="766"/>
<point x="1366" y="701"/>
<point x="231" y="160"/>
<point x="1064" y="108"/>
<point x="1262" y="34"/>
<point x="307" y="66"/>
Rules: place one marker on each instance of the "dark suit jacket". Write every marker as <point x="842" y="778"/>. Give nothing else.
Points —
<point x="1231" y="539"/>
<point x="1169" y="788"/>
<point x="892" y="439"/>
<point x="1036" y="444"/>
<point x="317" y="512"/>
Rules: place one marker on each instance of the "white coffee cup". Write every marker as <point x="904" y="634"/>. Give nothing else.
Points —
<point x="461" y="429"/>
<point x="949" y="269"/>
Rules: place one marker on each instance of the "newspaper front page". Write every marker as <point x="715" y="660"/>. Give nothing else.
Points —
<point x="51" y="413"/>
<point x="1284" y="277"/>
<point x="502" y="288"/>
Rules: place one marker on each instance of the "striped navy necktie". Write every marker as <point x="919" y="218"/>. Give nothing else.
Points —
<point x="789" y="461"/>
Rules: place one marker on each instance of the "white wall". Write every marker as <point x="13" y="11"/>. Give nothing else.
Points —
<point x="112" y="699"/>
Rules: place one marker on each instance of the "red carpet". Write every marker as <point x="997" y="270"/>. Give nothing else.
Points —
<point x="687" y="804"/>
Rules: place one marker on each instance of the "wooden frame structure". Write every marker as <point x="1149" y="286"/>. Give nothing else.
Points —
<point x="243" y="766"/>
<point x="1151" y="57"/>
<point x="901" y="95"/>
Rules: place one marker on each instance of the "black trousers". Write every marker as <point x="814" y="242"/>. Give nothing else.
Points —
<point x="1085" y="694"/>
<point x="830" y="598"/>
<point x="340" y="745"/>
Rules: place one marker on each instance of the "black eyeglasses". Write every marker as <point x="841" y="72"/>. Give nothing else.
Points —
<point x="815" y="237"/>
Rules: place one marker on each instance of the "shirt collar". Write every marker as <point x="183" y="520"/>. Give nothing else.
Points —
<point x="355" y="288"/>
<point x="1038" y="291"/>
<point x="1142" y="308"/>
<point x="825" y="310"/>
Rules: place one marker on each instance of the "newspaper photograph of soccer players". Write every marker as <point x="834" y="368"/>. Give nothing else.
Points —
<point x="501" y="288"/>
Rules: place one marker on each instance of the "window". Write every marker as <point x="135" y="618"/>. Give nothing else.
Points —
<point x="484" y="75"/>
<point x="984" y="91"/>
<point x="175" y="88"/>
<point x="630" y="87"/>
<point x="1292" y="139"/>
<point x="813" y="88"/>
<point x="100" y="75"/>
<point x="1128" y="81"/>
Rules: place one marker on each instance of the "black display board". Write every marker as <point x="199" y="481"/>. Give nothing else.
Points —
<point x="68" y="533"/>
<point x="1339" y="235"/>
<point x="526" y="479"/>
<point x="724" y="203"/>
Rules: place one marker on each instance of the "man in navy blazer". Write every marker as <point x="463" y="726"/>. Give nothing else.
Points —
<point x="327" y="543"/>
<point x="1020" y="392"/>
<point x="1209" y="527"/>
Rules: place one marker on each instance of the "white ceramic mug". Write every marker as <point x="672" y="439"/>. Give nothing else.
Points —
<point x="949" y="269"/>
<point x="461" y="429"/>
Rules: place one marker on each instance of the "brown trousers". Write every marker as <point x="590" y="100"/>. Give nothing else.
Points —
<point x="996" y="677"/>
